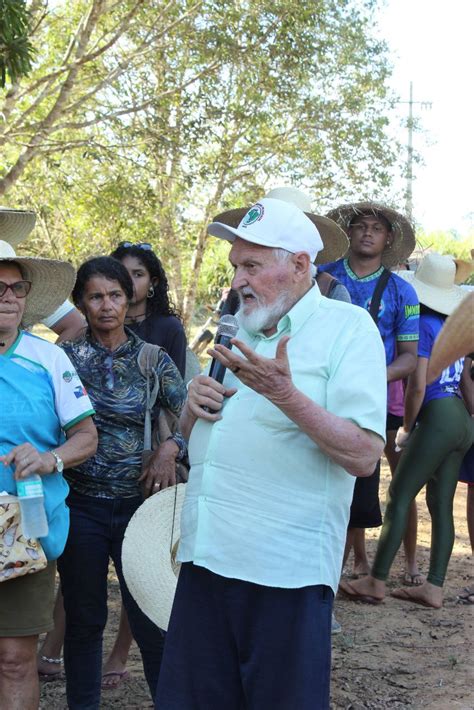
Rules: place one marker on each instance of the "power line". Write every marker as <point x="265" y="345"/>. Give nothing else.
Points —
<point x="410" y="123"/>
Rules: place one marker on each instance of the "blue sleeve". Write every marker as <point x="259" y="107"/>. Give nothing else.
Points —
<point x="329" y="268"/>
<point x="427" y="338"/>
<point x="408" y="316"/>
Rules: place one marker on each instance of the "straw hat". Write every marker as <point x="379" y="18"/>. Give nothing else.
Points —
<point x="334" y="239"/>
<point x="463" y="268"/>
<point x="15" y="225"/>
<point x="403" y="233"/>
<point x="51" y="283"/>
<point x="433" y="282"/>
<point x="455" y="340"/>
<point x="148" y="553"/>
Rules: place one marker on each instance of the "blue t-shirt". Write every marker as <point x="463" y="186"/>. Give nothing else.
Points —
<point x="447" y="384"/>
<point x="399" y="307"/>
<point x="41" y="398"/>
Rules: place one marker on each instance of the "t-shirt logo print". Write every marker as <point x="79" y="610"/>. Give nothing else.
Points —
<point x="254" y="214"/>
<point x="368" y="304"/>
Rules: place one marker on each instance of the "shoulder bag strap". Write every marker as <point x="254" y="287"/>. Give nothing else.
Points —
<point x="325" y="282"/>
<point x="378" y="293"/>
<point x="147" y="362"/>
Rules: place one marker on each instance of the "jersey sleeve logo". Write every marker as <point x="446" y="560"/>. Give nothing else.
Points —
<point x="80" y="391"/>
<point x="412" y="311"/>
<point x="69" y="375"/>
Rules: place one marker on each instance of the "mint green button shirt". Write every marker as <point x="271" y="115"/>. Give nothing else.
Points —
<point x="263" y="503"/>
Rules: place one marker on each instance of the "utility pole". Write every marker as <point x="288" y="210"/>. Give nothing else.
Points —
<point x="410" y="124"/>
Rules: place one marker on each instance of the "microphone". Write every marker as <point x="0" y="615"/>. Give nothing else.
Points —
<point x="227" y="328"/>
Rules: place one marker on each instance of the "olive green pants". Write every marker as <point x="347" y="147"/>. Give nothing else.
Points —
<point x="433" y="457"/>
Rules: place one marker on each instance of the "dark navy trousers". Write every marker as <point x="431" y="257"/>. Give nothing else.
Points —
<point x="242" y="646"/>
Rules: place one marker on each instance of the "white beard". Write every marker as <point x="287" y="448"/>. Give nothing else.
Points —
<point x="263" y="317"/>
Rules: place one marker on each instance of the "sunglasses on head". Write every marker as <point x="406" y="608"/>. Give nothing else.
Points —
<point x="141" y="245"/>
<point x="20" y="289"/>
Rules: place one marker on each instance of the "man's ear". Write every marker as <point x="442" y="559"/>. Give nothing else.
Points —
<point x="302" y="264"/>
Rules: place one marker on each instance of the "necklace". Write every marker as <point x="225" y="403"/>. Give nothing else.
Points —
<point x="135" y="318"/>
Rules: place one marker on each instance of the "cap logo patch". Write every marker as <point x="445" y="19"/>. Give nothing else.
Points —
<point x="254" y="214"/>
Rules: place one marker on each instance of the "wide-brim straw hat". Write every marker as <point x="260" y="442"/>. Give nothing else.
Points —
<point x="334" y="238"/>
<point x="455" y="340"/>
<point x="15" y="225"/>
<point x="403" y="233"/>
<point x="433" y="282"/>
<point x="463" y="268"/>
<point x="51" y="283"/>
<point x="148" y="553"/>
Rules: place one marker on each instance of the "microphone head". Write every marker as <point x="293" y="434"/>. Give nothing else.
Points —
<point x="227" y="326"/>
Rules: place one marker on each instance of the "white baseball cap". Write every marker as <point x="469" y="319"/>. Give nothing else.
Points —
<point x="276" y="224"/>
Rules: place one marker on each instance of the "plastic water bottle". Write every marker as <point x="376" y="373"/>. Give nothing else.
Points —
<point x="31" y="499"/>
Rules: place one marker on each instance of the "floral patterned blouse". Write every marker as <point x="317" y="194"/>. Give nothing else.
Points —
<point x="117" y="390"/>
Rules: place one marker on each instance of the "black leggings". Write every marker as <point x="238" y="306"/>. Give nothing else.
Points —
<point x="433" y="457"/>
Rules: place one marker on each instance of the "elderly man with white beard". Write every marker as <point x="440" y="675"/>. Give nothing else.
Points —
<point x="274" y="453"/>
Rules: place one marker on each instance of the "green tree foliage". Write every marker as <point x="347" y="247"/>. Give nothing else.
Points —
<point x="16" y="50"/>
<point x="141" y="120"/>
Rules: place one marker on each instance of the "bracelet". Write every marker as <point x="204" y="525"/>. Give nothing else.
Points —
<point x="56" y="661"/>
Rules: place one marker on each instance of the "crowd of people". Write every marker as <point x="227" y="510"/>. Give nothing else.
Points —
<point x="328" y="370"/>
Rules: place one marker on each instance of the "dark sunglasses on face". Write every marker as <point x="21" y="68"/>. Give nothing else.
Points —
<point x="20" y="289"/>
<point x="141" y="245"/>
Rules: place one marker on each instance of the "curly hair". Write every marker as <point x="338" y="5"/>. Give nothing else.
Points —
<point x="101" y="266"/>
<point x="160" y="302"/>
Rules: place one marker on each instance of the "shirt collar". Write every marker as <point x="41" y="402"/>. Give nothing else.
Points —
<point x="130" y="344"/>
<point x="14" y="345"/>
<point x="354" y="276"/>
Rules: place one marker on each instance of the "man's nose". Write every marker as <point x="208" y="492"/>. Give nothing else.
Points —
<point x="239" y="279"/>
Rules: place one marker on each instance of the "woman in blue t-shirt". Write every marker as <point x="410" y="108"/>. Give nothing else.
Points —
<point x="436" y="433"/>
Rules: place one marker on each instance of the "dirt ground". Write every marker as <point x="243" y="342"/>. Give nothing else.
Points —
<point x="395" y="655"/>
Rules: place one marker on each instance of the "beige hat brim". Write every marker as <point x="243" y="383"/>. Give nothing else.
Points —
<point x="404" y="240"/>
<point x="334" y="238"/>
<point x="15" y="225"/>
<point x="455" y="340"/>
<point x="52" y="283"/>
<point x="443" y="300"/>
<point x="148" y="567"/>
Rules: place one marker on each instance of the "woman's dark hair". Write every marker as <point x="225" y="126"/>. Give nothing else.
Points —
<point x="160" y="303"/>
<point x="107" y="267"/>
<point x="425" y="311"/>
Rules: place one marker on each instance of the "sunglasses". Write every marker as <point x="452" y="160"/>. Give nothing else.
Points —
<point x="20" y="289"/>
<point x="141" y="245"/>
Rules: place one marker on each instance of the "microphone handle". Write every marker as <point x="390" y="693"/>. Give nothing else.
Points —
<point x="217" y="369"/>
